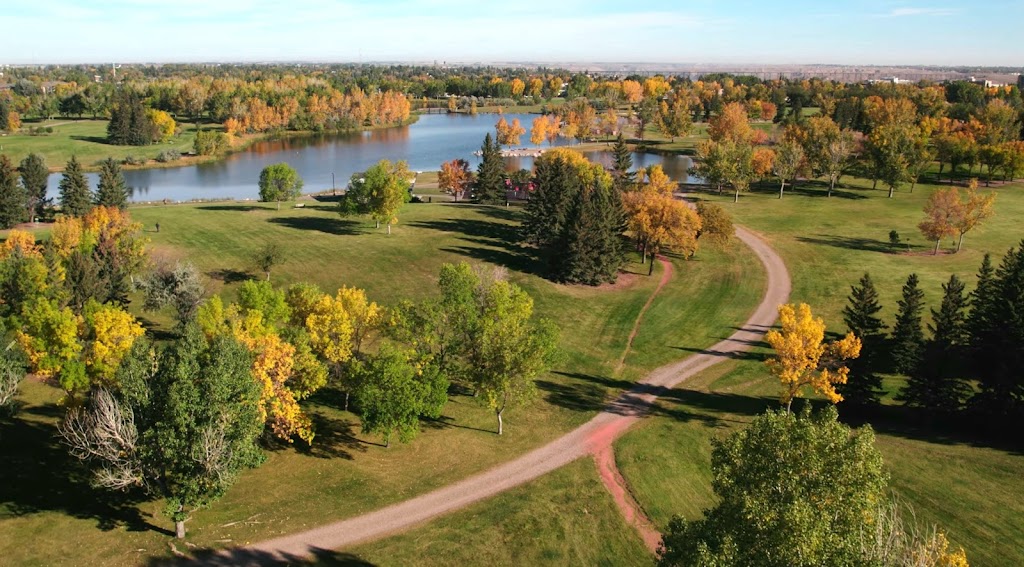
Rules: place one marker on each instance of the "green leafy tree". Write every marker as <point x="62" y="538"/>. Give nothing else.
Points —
<point x="490" y="174"/>
<point x="75" y="194"/>
<point x="34" y="177"/>
<point x="789" y="158"/>
<point x="907" y="341"/>
<point x="210" y="143"/>
<point x="181" y="426"/>
<point x="392" y="394"/>
<point x="379" y="192"/>
<point x="268" y="256"/>
<point x="863" y="385"/>
<point x="279" y="182"/>
<point x="12" y="195"/>
<point x="794" y="490"/>
<point x="937" y="383"/>
<point x="112" y="191"/>
<point x="510" y="349"/>
<point x="177" y="285"/>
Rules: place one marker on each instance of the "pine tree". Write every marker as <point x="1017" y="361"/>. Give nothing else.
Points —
<point x="547" y="211"/>
<point x="983" y="299"/>
<point x="129" y="124"/>
<point x="936" y="382"/>
<point x="75" y="195"/>
<point x="112" y="191"/>
<point x="907" y="336"/>
<point x="623" y="164"/>
<point x="863" y="384"/>
<point x="34" y="178"/>
<point x="490" y="188"/>
<point x="997" y="333"/>
<point x="12" y="195"/>
<point x="593" y="240"/>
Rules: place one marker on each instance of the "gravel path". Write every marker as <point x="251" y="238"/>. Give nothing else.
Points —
<point x="591" y="437"/>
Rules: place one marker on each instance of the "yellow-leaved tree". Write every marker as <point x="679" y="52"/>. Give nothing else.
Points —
<point x="658" y="220"/>
<point x="112" y="332"/>
<point x="803" y="359"/>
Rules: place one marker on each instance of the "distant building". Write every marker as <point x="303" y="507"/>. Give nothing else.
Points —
<point x="988" y="84"/>
<point x="890" y="80"/>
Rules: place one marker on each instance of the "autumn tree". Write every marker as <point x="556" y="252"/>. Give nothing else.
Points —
<point x="34" y="177"/>
<point x="715" y="222"/>
<point x="112" y="191"/>
<point x="279" y="182"/>
<point x="379" y="192"/>
<point x="544" y="127"/>
<point x="907" y="342"/>
<point x="972" y="212"/>
<point x="891" y="148"/>
<point x="789" y="159"/>
<point x="645" y="113"/>
<point x="455" y="178"/>
<point x="75" y="196"/>
<point x="658" y="220"/>
<point x="511" y="349"/>
<point x="861" y="317"/>
<point x="508" y="134"/>
<point x="803" y="359"/>
<point x="793" y="490"/>
<point x="731" y="124"/>
<point x="12" y="195"/>
<point x="943" y="212"/>
<point x="181" y="425"/>
<point x="674" y="119"/>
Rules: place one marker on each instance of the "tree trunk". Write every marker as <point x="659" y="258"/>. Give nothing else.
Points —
<point x="874" y="184"/>
<point x="831" y="185"/>
<point x="279" y="205"/>
<point x="913" y="183"/>
<point x="936" y="251"/>
<point x="346" y="401"/>
<point x="376" y="224"/>
<point x="389" y="228"/>
<point x="650" y="268"/>
<point x="736" y="197"/>
<point x="387" y="440"/>
<point x="938" y="176"/>
<point x="890" y="191"/>
<point x="268" y="275"/>
<point x="782" y="187"/>
<point x="179" y="529"/>
<point x="500" y="424"/>
<point x="960" y="241"/>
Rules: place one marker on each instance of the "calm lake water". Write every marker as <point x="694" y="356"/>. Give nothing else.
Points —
<point x="432" y="140"/>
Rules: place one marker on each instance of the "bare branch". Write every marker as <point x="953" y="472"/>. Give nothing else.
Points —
<point x="105" y="432"/>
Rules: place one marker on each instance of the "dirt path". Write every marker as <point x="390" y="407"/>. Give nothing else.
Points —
<point x="666" y="276"/>
<point x="592" y="437"/>
<point x="619" y="489"/>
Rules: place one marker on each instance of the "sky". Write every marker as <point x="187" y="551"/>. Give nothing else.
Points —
<point x="864" y="32"/>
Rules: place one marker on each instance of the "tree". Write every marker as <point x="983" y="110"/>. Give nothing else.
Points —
<point x="715" y="222"/>
<point x="622" y="165"/>
<point x="12" y="371"/>
<point x="489" y="186"/>
<point x="739" y="170"/>
<point x="130" y="123"/>
<point x="828" y="149"/>
<point x="646" y="111"/>
<point x="12" y="195"/>
<point x="379" y="192"/>
<point x="892" y="149"/>
<point x="861" y="317"/>
<point x="943" y="211"/>
<point x="794" y="490"/>
<point x="210" y="143"/>
<point x="455" y="178"/>
<point x="112" y="191"/>
<point x="268" y="256"/>
<point x="393" y="393"/>
<point x="658" y="220"/>
<point x="972" y="212"/>
<point x="674" y="120"/>
<point x="802" y="359"/>
<point x="180" y="426"/>
<point x="177" y="285"/>
<point x="789" y="160"/>
<point x="936" y="382"/>
<point x="510" y="349"/>
<point x="731" y="124"/>
<point x="907" y="336"/>
<point x="75" y="195"/>
<point x="34" y="177"/>
<point x="508" y="134"/>
<point x="279" y="182"/>
<point x="164" y="125"/>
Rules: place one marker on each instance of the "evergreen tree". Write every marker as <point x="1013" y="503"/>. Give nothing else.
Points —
<point x="547" y="211"/>
<point x="34" y="178"/>
<point x="75" y="195"/>
<point x="983" y="299"/>
<point x="490" y="186"/>
<point x="112" y="191"/>
<point x="622" y="165"/>
<point x="129" y="124"/>
<point x="936" y="383"/>
<point x="863" y="384"/>
<point x="593" y="242"/>
<point x="907" y="336"/>
<point x="12" y="195"/>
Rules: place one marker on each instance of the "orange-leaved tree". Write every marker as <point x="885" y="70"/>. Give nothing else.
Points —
<point x="942" y="211"/>
<point x="455" y="178"/>
<point x="658" y="220"/>
<point x="803" y="359"/>
<point x="973" y="211"/>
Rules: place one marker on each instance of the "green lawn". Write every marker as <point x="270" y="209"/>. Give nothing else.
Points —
<point x="346" y="472"/>
<point x="86" y="139"/>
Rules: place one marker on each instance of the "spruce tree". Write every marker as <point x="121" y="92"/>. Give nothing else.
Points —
<point x="863" y="384"/>
<point x="998" y="353"/>
<point x="75" y="195"/>
<point x="112" y="191"/>
<point x="592" y="249"/>
<point x="12" y="195"/>
<point x="936" y="383"/>
<point x="34" y="178"/>
<point x="622" y="165"/>
<point x="547" y="211"/>
<point x="907" y="336"/>
<point x="490" y="186"/>
<point x="983" y="300"/>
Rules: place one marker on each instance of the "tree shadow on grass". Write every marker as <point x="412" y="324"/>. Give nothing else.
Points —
<point x="445" y="422"/>
<point x="336" y="226"/>
<point x="807" y="189"/>
<point x="492" y="242"/>
<point x="230" y="275"/>
<point x="334" y="438"/>
<point x="253" y="558"/>
<point x="38" y="475"/>
<point x="94" y="139"/>
<point x="848" y="243"/>
<point x="236" y="208"/>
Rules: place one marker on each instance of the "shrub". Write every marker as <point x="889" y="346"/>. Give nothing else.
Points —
<point x="133" y="160"/>
<point x="168" y="155"/>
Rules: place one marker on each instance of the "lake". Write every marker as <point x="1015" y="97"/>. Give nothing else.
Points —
<point x="425" y="144"/>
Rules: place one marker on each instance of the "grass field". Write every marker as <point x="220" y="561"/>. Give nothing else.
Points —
<point x="345" y="473"/>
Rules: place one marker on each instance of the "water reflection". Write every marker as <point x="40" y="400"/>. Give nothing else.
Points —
<point x="433" y="139"/>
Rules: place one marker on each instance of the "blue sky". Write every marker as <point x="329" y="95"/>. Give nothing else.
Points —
<point x="982" y="32"/>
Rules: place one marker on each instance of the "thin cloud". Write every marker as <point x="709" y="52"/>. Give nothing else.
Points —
<point x="905" y="12"/>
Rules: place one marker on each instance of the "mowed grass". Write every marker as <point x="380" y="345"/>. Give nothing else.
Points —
<point x="346" y="472"/>
<point x="563" y="518"/>
<point x="87" y="140"/>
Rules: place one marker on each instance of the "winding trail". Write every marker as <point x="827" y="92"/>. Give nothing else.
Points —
<point x="666" y="276"/>
<point x="595" y="436"/>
